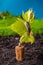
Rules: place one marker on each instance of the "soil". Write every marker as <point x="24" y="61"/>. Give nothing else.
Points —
<point x="33" y="53"/>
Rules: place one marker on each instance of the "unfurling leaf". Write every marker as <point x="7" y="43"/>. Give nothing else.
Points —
<point x="27" y="38"/>
<point x="19" y="27"/>
<point x="28" y="16"/>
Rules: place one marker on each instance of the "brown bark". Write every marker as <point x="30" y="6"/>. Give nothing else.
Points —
<point x="19" y="50"/>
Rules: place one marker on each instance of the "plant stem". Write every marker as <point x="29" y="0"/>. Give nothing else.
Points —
<point x="27" y="27"/>
<point x="19" y="44"/>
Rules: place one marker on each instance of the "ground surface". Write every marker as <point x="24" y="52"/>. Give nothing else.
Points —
<point x="33" y="53"/>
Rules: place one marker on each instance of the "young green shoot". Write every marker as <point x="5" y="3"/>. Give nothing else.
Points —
<point x="22" y="28"/>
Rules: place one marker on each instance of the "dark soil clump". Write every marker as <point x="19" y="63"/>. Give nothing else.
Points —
<point x="33" y="53"/>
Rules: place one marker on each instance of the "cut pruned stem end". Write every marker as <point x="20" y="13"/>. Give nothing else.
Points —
<point x="19" y="44"/>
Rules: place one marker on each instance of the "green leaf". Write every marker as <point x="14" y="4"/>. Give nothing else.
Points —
<point x="19" y="27"/>
<point x="31" y="39"/>
<point x="28" y="16"/>
<point x="24" y="38"/>
<point x="25" y="16"/>
<point x="27" y="38"/>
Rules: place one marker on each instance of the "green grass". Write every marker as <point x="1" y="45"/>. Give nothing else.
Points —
<point x="5" y="23"/>
<point x="4" y="26"/>
<point x="37" y="26"/>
